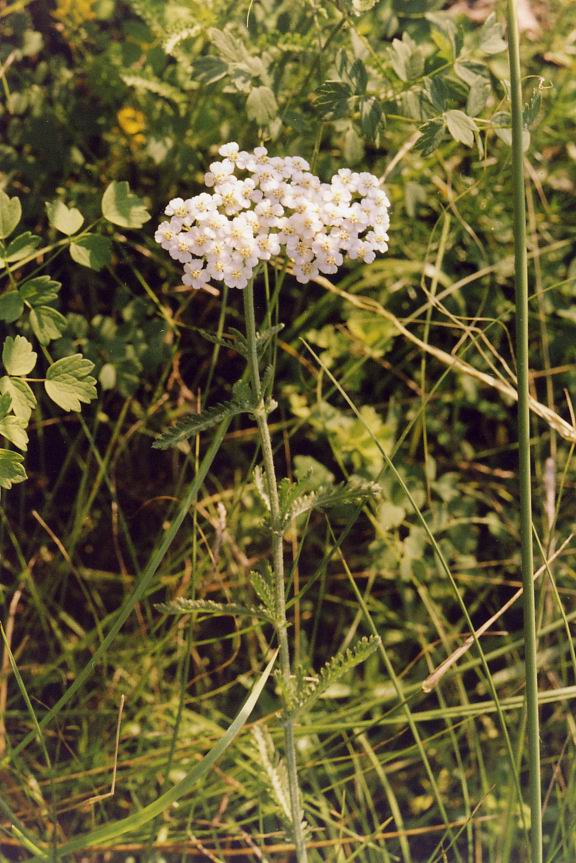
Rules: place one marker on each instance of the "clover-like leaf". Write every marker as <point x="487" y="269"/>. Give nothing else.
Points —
<point x="261" y="105"/>
<point x="92" y="251"/>
<point x="14" y="429"/>
<point x="492" y="39"/>
<point x="11" y="306"/>
<point x="122" y="207"/>
<point x="10" y="213"/>
<point x="461" y="126"/>
<point x="18" y="356"/>
<point x="68" y="382"/>
<point x="20" y="247"/>
<point x="23" y="399"/>
<point x="47" y="323"/>
<point x="11" y="468"/>
<point x="67" y="220"/>
<point x="40" y="290"/>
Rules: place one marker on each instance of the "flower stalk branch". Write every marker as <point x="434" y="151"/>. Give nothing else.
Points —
<point x="278" y="569"/>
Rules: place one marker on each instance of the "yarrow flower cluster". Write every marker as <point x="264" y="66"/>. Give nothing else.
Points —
<point x="276" y="205"/>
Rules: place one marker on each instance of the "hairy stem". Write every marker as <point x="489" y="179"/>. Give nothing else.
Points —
<point x="522" y="358"/>
<point x="278" y="568"/>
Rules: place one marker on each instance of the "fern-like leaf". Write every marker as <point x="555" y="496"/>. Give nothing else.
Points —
<point x="191" y="425"/>
<point x="333" y="671"/>
<point x="263" y="586"/>
<point x="154" y="85"/>
<point x="207" y="606"/>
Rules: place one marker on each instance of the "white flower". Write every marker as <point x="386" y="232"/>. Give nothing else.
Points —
<point x="282" y="207"/>
<point x="195" y="276"/>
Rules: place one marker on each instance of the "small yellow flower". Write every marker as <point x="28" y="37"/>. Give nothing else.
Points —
<point x="132" y="123"/>
<point x="74" y="12"/>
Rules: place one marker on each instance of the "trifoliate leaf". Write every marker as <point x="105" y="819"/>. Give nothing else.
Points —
<point x="18" y="356"/>
<point x="47" y="324"/>
<point x="11" y="306"/>
<point x="10" y="213"/>
<point x="492" y="36"/>
<point x="20" y="247"/>
<point x="23" y="399"/>
<point x="261" y="105"/>
<point x="11" y="468"/>
<point x="68" y="382"/>
<point x="92" y="251"/>
<point x="122" y="207"/>
<point x="67" y="220"/>
<point x="14" y="429"/>
<point x="461" y="127"/>
<point x="40" y="290"/>
<point x="432" y="135"/>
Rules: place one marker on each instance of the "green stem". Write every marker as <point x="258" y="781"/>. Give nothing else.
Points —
<point x="278" y="568"/>
<point x="522" y="359"/>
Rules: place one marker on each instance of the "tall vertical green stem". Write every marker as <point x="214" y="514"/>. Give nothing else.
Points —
<point x="278" y="567"/>
<point x="522" y="360"/>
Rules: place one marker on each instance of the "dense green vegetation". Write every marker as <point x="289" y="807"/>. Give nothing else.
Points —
<point x="126" y="571"/>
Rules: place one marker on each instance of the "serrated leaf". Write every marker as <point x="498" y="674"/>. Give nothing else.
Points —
<point x="478" y="96"/>
<point x="92" y="251"/>
<point x="207" y="606"/>
<point x="68" y="382"/>
<point x="196" y="423"/>
<point x="10" y="215"/>
<point x="461" y="126"/>
<point x="67" y="220"/>
<point x="432" y="135"/>
<point x="11" y="306"/>
<point x="492" y="36"/>
<point x="20" y="247"/>
<point x="333" y="671"/>
<point x="122" y="207"/>
<point x="23" y="399"/>
<point x="40" y="290"/>
<point x="18" y="356"/>
<point x="14" y="429"/>
<point x="406" y="58"/>
<point x="332" y="99"/>
<point x="159" y="88"/>
<point x="11" y="468"/>
<point x="261" y="105"/>
<point x="47" y="323"/>
<point x="263" y="586"/>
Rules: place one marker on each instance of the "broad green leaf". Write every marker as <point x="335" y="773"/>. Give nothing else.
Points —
<point x="261" y="105"/>
<point x="478" y="96"/>
<point x="11" y="306"/>
<point x="11" y="468"/>
<point x="371" y="117"/>
<point x="461" y="126"/>
<point x="47" y="323"/>
<point x="67" y="220"/>
<point x="23" y="399"/>
<point x="40" y="290"/>
<point x="5" y="405"/>
<point x="432" y="135"/>
<point x="92" y="251"/>
<point x="10" y="214"/>
<point x="122" y="207"/>
<point x="111" y="831"/>
<point x="18" y="356"/>
<point x="14" y="429"/>
<point x="68" y="382"/>
<point x="332" y="99"/>
<point x="406" y="58"/>
<point x="22" y="246"/>
<point x="492" y="36"/>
